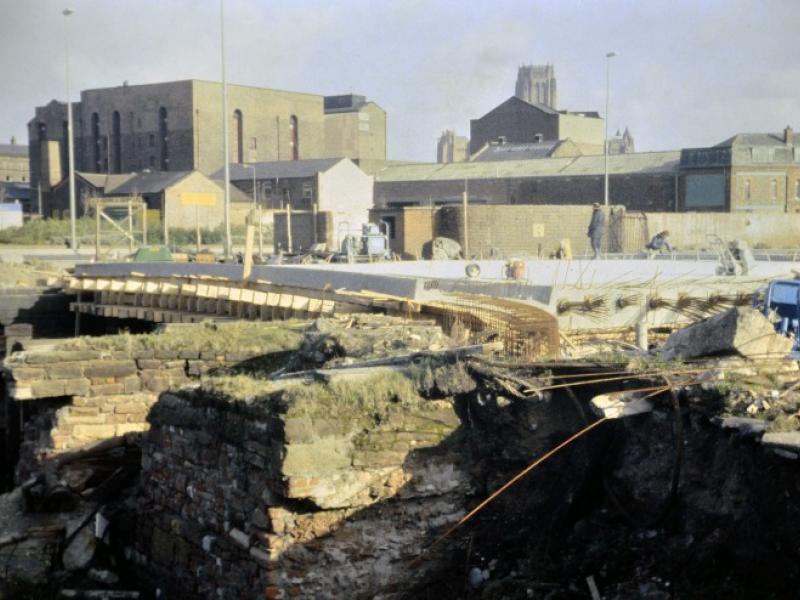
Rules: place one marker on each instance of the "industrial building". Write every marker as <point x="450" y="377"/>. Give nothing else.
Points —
<point x="177" y="126"/>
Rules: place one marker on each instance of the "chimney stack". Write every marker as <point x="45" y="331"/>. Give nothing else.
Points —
<point x="788" y="136"/>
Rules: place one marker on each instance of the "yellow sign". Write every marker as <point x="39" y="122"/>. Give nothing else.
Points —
<point x="198" y="199"/>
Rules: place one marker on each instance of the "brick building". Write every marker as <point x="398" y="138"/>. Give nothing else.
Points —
<point x="328" y="198"/>
<point x="747" y="172"/>
<point x="518" y="121"/>
<point x="177" y="126"/>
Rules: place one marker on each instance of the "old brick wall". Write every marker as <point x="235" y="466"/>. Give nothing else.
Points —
<point x="508" y="230"/>
<point x="96" y="388"/>
<point x="306" y="495"/>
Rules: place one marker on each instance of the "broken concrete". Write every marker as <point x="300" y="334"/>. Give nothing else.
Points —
<point x="741" y="330"/>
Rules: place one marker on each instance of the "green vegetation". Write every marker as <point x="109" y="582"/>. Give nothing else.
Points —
<point x="56" y="232"/>
<point x="239" y="337"/>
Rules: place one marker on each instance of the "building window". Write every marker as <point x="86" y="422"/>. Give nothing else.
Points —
<point x="163" y="134"/>
<point x="773" y="189"/>
<point x="747" y="189"/>
<point x="253" y="143"/>
<point x="152" y="140"/>
<point x="267" y="188"/>
<point x="294" y="138"/>
<point x="308" y="191"/>
<point x="238" y="131"/>
<point x="152" y="161"/>
<point x="797" y="189"/>
<point x="96" y="142"/>
<point x="390" y="225"/>
<point x="116" y="134"/>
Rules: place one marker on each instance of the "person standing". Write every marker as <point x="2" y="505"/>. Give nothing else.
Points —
<point x="597" y="227"/>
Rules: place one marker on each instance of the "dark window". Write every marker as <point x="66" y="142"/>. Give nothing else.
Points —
<point x="238" y="131"/>
<point x="152" y="161"/>
<point x="163" y="134"/>
<point x="308" y="190"/>
<point x="152" y="140"/>
<point x="64" y="149"/>
<point x="116" y="134"/>
<point x="96" y="142"/>
<point x="390" y="224"/>
<point x="294" y="138"/>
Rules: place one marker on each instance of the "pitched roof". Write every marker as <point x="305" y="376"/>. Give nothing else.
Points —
<point x="152" y="182"/>
<point x="515" y="99"/>
<point x="13" y="150"/>
<point x="279" y="169"/>
<point x="757" y="139"/>
<point x="620" y="164"/>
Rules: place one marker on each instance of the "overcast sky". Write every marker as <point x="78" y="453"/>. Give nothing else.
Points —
<point x="689" y="72"/>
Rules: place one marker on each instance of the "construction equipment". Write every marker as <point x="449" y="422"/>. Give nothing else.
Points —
<point x="782" y="298"/>
<point x="735" y="257"/>
<point x="368" y="246"/>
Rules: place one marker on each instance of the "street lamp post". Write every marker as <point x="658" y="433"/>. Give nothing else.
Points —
<point x="609" y="56"/>
<point x="226" y="157"/>
<point x="70" y="142"/>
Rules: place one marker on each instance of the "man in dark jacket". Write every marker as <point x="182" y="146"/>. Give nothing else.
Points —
<point x="597" y="227"/>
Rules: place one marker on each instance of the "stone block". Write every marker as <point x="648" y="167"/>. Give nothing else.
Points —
<point x="174" y="364"/>
<point x="167" y="354"/>
<point x="132" y="384"/>
<point x="47" y="389"/>
<point x="27" y="373"/>
<point x="189" y="354"/>
<point x="93" y="432"/>
<point x="107" y="389"/>
<point x="110" y="368"/>
<point x="68" y="370"/>
<point x="76" y="387"/>
<point x="130" y="407"/>
<point x="385" y="458"/>
<point x="148" y="363"/>
<point x="122" y="429"/>
<point x="157" y="384"/>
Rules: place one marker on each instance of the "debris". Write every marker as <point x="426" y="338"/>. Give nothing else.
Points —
<point x="103" y="576"/>
<point x="615" y="406"/>
<point x="783" y="443"/>
<point x="441" y="248"/>
<point x="741" y="330"/>
<point x="593" y="587"/>
<point x="743" y="425"/>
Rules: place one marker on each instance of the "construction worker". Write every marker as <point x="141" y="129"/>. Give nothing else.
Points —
<point x="597" y="227"/>
<point x="659" y="243"/>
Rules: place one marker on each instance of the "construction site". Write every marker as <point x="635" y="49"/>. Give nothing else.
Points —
<point x="613" y="428"/>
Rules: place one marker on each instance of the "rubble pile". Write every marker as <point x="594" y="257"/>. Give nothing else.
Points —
<point x="65" y="529"/>
<point x="343" y="340"/>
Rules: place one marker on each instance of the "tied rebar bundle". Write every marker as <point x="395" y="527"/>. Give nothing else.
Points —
<point x="595" y="307"/>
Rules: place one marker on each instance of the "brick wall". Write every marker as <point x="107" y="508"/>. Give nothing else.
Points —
<point x="106" y="386"/>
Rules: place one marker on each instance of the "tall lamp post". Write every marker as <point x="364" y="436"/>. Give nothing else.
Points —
<point x="70" y="141"/>
<point x="226" y="157"/>
<point x="609" y="56"/>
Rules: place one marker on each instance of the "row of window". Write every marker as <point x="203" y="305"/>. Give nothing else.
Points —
<point x="107" y="150"/>
<point x="773" y="189"/>
<point x="238" y="131"/>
